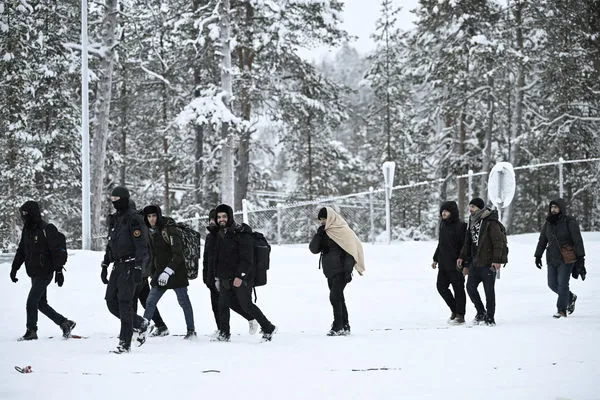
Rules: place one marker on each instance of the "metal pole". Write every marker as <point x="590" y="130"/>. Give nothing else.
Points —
<point x="86" y="231"/>
<point x="245" y="211"/>
<point x="278" y="223"/>
<point x="470" y="180"/>
<point x="388" y="217"/>
<point x="561" y="188"/>
<point x="371" y="216"/>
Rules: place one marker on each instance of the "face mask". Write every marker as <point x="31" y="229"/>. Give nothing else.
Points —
<point x="121" y="204"/>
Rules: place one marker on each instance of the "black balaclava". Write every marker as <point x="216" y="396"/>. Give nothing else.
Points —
<point x="30" y="214"/>
<point x="123" y="203"/>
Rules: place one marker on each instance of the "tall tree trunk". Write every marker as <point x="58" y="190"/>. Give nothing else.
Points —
<point x="167" y="179"/>
<point x="310" y="156"/>
<point x="227" y="167"/>
<point x="124" y="129"/>
<point x="460" y="151"/>
<point x="517" y="122"/>
<point x="101" y="118"/>
<point x="487" y="150"/>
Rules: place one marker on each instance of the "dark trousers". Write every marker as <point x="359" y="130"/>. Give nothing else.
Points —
<point x="229" y="295"/>
<point x="141" y="293"/>
<point x="558" y="281"/>
<point x="336" y="284"/>
<point x="445" y="278"/>
<point x="37" y="300"/>
<point x="119" y="299"/>
<point x="235" y="306"/>
<point x="488" y="277"/>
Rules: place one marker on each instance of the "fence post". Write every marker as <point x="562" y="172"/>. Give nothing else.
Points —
<point x="245" y="211"/>
<point x="278" y="223"/>
<point x="371" y="216"/>
<point x="561" y="188"/>
<point x="470" y="180"/>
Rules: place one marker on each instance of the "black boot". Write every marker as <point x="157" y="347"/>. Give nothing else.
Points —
<point x="67" y="327"/>
<point x="30" y="334"/>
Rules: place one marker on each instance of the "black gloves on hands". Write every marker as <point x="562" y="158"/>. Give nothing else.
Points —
<point x="538" y="262"/>
<point x="13" y="275"/>
<point x="137" y="274"/>
<point x="59" y="278"/>
<point x="579" y="269"/>
<point x="321" y="230"/>
<point x="348" y="277"/>
<point x="104" y="274"/>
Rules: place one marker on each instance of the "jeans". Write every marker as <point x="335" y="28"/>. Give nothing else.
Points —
<point x="141" y="293"/>
<point x="558" y="281"/>
<point x="488" y="277"/>
<point x="182" y="297"/>
<point x="456" y="302"/>
<point x="336" y="284"/>
<point x="36" y="300"/>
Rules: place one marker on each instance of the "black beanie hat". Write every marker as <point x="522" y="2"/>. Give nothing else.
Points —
<point x="322" y="213"/>
<point x="478" y="202"/>
<point x="121" y="192"/>
<point x="212" y="214"/>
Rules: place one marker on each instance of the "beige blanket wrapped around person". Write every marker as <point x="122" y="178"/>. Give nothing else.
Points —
<point x="339" y="231"/>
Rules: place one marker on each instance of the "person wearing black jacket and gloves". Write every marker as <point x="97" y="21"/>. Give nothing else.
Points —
<point x="233" y="262"/>
<point x="208" y="275"/>
<point x="451" y="239"/>
<point x="168" y="266"/>
<point x="127" y="241"/>
<point x="38" y="247"/>
<point x="565" y="255"/>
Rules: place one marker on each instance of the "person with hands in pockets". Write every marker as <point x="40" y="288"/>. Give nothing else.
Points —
<point x="167" y="270"/>
<point x="128" y="246"/>
<point x="341" y="251"/>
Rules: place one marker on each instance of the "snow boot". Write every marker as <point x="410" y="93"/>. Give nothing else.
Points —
<point x="143" y="331"/>
<point x="190" y="335"/>
<point x="221" y="337"/>
<point x="489" y="321"/>
<point x="30" y="334"/>
<point x="560" y="314"/>
<point x="67" y="327"/>
<point x="252" y="326"/>
<point x="571" y="306"/>
<point x="479" y="318"/>
<point x="459" y="319"/>
<point x="159" y="331"/>
<point x="122" y="347"/>
<point x="267" y="336"/>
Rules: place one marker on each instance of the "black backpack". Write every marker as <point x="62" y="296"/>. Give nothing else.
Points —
<point x="262" y="258"/>
<point x="192" y="247"/>
<point x="59" y="255"/>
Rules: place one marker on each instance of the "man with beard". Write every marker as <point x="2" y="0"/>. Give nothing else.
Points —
<point x="127" y="241"/>
<point x="560" y="235"/>
<point x="483" y="250"/>
<point x="451" y="240"/>
<point x="233" y="261"/>
<point x="38" y="247"/>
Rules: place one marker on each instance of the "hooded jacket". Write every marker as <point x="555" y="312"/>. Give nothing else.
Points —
<point x="484" y="243"/>
<point x="167" y="250"/>
<point x="451" y="237"/>
<point x="558" y="231"/>
<point x="234" y="249"/>
<point x="39" y="241"/>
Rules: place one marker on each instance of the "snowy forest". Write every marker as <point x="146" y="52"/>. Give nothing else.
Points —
<point x="202" y="101"/>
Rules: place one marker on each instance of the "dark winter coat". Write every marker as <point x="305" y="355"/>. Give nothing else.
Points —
<point x="334" y="259"/>
<point x="234" y="249"/>
<point x="558" y="231"/>
<point x="39" y="241"/>
<point x="167" y="251"/>
<point x="484" y="246"/>
<point x="451" y="238"/>
<point x="128" y="238"/>
<point x="208" y="272"/>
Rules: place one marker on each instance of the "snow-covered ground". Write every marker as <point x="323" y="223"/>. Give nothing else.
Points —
<point x="398" y="322"/>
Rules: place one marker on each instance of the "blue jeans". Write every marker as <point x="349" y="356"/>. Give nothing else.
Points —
<point x="558" y="280"/>
<point x="182" y="297"/>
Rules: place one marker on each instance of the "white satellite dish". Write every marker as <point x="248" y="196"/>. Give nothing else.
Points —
<point x="502" y="184"/>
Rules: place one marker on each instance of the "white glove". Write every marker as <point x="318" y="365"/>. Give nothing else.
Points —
<point x="164" y="276"/>
<point x="218" y="284"/>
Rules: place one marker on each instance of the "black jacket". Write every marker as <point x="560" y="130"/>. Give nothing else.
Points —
<point x="234" y="250"/>
<point x="451" y="238"/>
<point x="485" y="245"/>
<point x="128" y="238"/>
<point x="36" y="247"/>
<point x="558" y="231"/>
<point x="208" y="264"/>
<point x="334" y="259"/>
<point x="167" y="251"/>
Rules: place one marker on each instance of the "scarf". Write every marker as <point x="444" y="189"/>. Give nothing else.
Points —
<point x="339" y="231"/>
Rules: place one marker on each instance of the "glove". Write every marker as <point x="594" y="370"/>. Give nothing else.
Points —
<point x="13" y="275"/>
<point x="104" y="274"/>
<point x="137" y="274"/>
<point x="538" y="262"/>
<point x="579" y="269"/>
<point x="164" y="276"/>
<point x="59" y="278"/>
<point x="348" y="277"/>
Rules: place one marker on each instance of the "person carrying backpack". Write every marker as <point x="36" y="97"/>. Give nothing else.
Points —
<point x="233" y="263"/>
<point x="40" y="250"/>
<point x="565" y="254"/>
<point x="481" y="256"/>
<point x="168" y="266"/>
<point x="341" y="252"/>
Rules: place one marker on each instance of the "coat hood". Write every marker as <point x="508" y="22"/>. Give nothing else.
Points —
<point x="224" y="208"/>
<point x="30" y="213"/>
<point x="152" y="209"/>
<point x="561" y="203"/>
<point x="452" y="207"/>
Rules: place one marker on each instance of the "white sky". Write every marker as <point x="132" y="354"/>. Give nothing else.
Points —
<point x="359" y="20"/>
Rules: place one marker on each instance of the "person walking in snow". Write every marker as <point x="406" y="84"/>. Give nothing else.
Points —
<point x="481" y="256"/>
<point x="451" y="239"/>
<point x="565" y="255"/>
<point x="38" y="248"/>
<point x="341" y="252"/>
<point x="168" y="266"/>
<point x="233" y="263"/>
<point x="210" y="280"/>
<point x="128" y="246"/>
